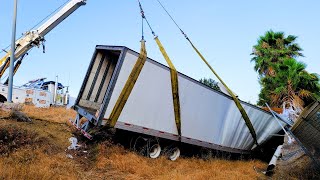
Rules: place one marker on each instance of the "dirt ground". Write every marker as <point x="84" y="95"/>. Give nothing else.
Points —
<point x="38" y="150"/>
<point x="295" y="164"/>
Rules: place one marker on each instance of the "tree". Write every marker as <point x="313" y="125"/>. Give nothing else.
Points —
<point x="273" y="48"/>
<point x="211" y="83"/>
<point x="283" y="80"/>
<point x="291" y="84"/>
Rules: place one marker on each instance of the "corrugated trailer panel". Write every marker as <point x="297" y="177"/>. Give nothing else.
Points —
<point x="102" y="68"/>
<point x="307" y="129"/>
<point x="97" y="80"/>
<point x="105" y="79"/>
<point x="92" y="74"/>
<point x="213" y="117"/>
<point x="85" y="101"/>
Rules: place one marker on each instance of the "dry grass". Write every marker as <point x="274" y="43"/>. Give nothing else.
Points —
<point x="40" y="156"/>
<point x="4" y="114"/>
<point x="53" y="114"/>
<point x="35" y="164"/>
<point x="134" y="166"/>
<point x="43" y="156"/>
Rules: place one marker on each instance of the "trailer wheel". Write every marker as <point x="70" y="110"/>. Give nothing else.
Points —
<point x="174" y="154"/>
<point x="139" y="145"/>
<point x="206" y="153"/>
<point x="2" y="99"/>
<point x="155" y="151"/>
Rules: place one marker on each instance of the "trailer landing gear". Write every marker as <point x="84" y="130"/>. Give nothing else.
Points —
<point x="83" y="128"/>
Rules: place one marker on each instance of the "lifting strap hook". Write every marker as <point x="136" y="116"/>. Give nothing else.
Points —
<point x="185" y="35"/>
<point x="43" y="46"/>
<point x="145" y="18"/>
<point x="141" y="10"/>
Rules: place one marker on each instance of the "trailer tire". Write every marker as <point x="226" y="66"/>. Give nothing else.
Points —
<point x="175" y="154"/>
<point x="206" y="153"/>
<point x="155" y="151"/>
<point x="2" y="99"/>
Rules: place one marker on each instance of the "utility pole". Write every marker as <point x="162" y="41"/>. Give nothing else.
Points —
<point x="12" y="58"/>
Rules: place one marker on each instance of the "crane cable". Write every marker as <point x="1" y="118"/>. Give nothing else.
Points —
<point x="173" y="75"/>
<point x="235" y="99"/>
<point x="126" y="90"/>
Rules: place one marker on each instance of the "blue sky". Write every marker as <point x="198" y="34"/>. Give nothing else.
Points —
<point x="224" y="31"/>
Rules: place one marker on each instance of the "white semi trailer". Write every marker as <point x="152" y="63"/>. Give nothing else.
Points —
<point x="209" y="118"/>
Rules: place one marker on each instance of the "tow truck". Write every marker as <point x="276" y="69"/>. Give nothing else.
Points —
<point x="41" y="97"/>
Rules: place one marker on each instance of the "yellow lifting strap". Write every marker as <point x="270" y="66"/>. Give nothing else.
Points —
<point x="174" y="86"/>
<point x="125" y="93"/>
<point x="235" y="99"/>
<point x="4" y="59"/>
<point x="4" y="64"/>
<point x="4" y="67"/>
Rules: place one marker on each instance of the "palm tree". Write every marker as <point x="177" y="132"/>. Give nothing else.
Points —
<point x="272" y="48"/>
<point x="291" y="84"/>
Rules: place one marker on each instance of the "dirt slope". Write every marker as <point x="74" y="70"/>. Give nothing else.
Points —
<point x="37" y="150"/>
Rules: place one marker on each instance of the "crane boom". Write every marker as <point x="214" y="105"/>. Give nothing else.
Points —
<point x="34" y="38"/>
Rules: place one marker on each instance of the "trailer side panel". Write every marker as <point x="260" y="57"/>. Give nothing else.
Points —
<point x="150" y="102"/>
